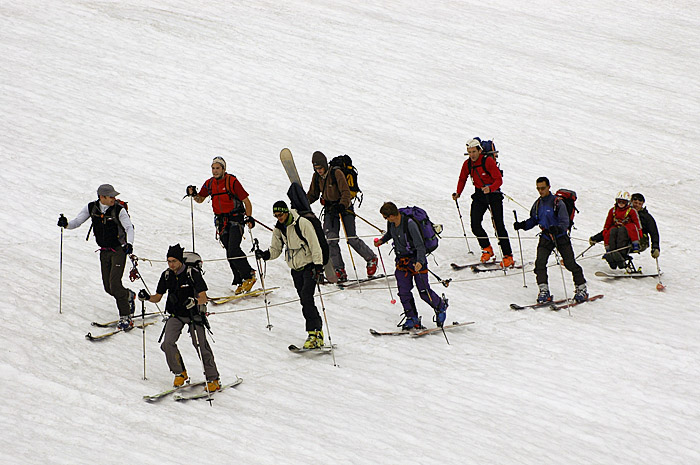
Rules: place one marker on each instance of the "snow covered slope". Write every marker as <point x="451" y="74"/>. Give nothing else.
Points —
<point x="598" y="96"/>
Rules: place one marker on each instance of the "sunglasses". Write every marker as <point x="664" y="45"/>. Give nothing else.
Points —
<point x="278" y="215"/>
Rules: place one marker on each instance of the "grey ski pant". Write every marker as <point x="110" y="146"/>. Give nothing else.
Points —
<point x="332" y="227"/>
<point x="173" y="329"/>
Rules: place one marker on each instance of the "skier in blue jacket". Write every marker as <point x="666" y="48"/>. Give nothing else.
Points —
<point x="549" y="212"/>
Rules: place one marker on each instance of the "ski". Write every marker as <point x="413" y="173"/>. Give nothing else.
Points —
<point x="113" y="323"/>
<point x="556" y="308"/>
<point x="167" y="392"/>
<point x="482" y="267"/>
<point x="454" y="324"/>
<point x="205" y="394"/>
<point x="231" y="298"/>
<point x="321" y="350"/>
<point x="603" y="274"/>
<point x="101" y="337"/>
<point x="538" y="305"/>
<point x="374" y="332"/>
<point x="455" y="266"/>
<point x="348" y="284"/>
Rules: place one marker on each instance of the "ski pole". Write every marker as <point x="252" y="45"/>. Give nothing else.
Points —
<point x="386" y="276"/>
<point x="325" y="318"/>
<point x="520" y="244"/>
<point x="375" y="227"/>
<point x="256" y="247"/>
<point x="444" y="282"/>
<point x="581" y="254"/>
<point x="143" y="323"/>
<point x="192" y="217"/>
<point x="513" y="200"/>
<point x="463" y="230"/>
<point x="60" y="275"/>
<point x="134" y="275"/>
<point x="352" y="259"/>
<point x="561" y="268"/>
<point x="659" y="287"/>
<point x="264" y="225"/>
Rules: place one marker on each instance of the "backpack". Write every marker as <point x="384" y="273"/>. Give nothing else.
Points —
<point x="428" y="231"/>
<point x="190" y="260"/>
<point x="300" y="203"/>
<point x="569" y="198"/>
<point x="489" y="150"/>
<point x="121" y="235"/>
<point x="344" y="164"/>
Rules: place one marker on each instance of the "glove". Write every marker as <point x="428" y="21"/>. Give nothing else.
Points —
<point x="592" y="241"/>
<point x="144" y="295"/>
<point x="128" y="248"/>
<point x="655" y="253"/>
<point x="262" y="254"/>
<point x="191" y="191"/>
<point x="317" y="273"/>
<point x="250" y="221"/>
<point x="635" y="246"/>
<point x="63" y="221"/>
<point x="190" y="303"/>
<point x="338" y="209"/>
<point x="519" y="225"/>
<point x="554" y="230"/>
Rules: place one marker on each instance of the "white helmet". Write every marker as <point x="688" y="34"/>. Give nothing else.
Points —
<point x="474" y="143"/>
<point x="623" y="195"/>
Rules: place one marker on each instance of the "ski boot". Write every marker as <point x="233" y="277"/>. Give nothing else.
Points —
<point x="507" y="261"/>
<point x="441" y="312"/>
<point x="125" y="323"/>
<point x="581" y="293"/>
<point x="544" y="296"/>
<point x="487" y="254"/>
<point x="341" y="274"/>
<point x="371" y="267"/>
<point x="412" y="322"/>
<point x="180" y="379"/>
<point x="213" y="385"/>
<point x="314" y="340"/>
<point x="247" y="284"/>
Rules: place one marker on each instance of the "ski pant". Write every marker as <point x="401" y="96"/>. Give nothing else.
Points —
<point x="332" y="226"/>
<point x="231" y="238"/>
<point x="480" y="204"/>
<point x="405" y="277"/>
<point x="305" y="286"/>
<point x="618" y="239"/>
<point x="112" y="264"/>
<point x="173" y="329"/>
<point x="566" y="252"/>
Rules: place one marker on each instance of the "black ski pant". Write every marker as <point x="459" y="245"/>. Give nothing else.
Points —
<point x="480" y="204"/>
<point x="305" y="286"/>
<point x="544" y="249"/>
<point x="112" y="264"/>
<point x="172" y="331"/>
<point x="231" y="238"/>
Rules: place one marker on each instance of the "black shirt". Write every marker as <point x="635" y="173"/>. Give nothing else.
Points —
<point x="179" y="286"/>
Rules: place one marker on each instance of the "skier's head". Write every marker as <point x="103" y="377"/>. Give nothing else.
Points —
<point x="622" y="199"/>
<point x="390" y="212"/>
<point x="637" y="201"/>
<point x="320" y="162"/>
<point x="218" y="167"/>
<point x="174" y="256"/>
<point x="473" y="149"/>
<point x="543" y="186"/>
<point x="107" y="194"/>
<point x="280" y="211"/>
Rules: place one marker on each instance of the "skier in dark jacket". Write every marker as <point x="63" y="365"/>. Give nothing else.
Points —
<point x="411" y="266"/>
<point x="114" y="233"/>
<point x="550" y="214"/>
<point x="186" y="303"/>
<point x="650" y="232"/>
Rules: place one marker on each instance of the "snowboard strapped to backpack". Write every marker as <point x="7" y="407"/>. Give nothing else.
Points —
<point x="429" y="231"/>
<point x="569" y="198"/>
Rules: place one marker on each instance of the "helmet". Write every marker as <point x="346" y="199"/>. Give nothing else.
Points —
<point x="623" y="195"/>
<point x="474" y="143"/>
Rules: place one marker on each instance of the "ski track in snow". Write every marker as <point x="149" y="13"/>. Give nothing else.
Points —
<point x="599" y="97"/>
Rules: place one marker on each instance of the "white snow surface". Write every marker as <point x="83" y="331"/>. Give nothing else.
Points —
<point x="599" y="96"/>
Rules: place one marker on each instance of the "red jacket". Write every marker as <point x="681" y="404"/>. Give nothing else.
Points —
<point x="626" y="217"/>
<point x="221" y="201"/>
<point x="482" y="176"/>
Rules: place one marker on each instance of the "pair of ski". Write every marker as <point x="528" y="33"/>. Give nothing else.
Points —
<point x="318" y="350"/>
<point x="101" y="337"/>
<point x="555" y="305"/>
<point x="604" y="274"/>
<point x="418" y="332"/>
<point x="231" y="298"/>
<point x="488" y="266"/>
<point x="349" y="284"/>
<point x="187" y="388"/>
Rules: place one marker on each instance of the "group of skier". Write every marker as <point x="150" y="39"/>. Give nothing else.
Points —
<point x="296" y="236"/>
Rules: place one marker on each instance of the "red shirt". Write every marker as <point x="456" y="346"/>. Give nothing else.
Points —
<point x="626" y="217"/>
<point x="484" y="173"/>
<point x="221" y="201"/>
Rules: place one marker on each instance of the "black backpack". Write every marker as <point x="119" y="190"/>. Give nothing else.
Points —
<point x="344" y="164"/>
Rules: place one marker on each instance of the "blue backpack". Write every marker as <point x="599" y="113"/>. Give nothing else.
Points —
<point x="429" y="231"/>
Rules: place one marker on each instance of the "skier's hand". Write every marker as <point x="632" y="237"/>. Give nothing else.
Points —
<point x="63" y="221"/>
<point x="190" y="303"/>
<point x="486" y="189"/>
<point x="262" y="254"/>
<point x="519" y="225"/>
<point x="191" y="191"/>
<point x="554" y="230"/>
<point x="339" y="209"/>
<point x="418" y="266"/>
<point x="377" y="242"/>
<point x="455" y="196"/>
<point x="317" y="273"/>
<point x="592" y="241"/>
<point x="144" y="295"/>
<point x="128" y="248"/>
<point x="250" y="221"/>
<point x="655" y="253"/>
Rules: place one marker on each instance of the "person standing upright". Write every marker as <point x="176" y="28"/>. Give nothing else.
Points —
<point x="487" y="180"/>
<point x="332" y="186"/>
<point x="114" y="233"/>
<point x="232" y="209"/>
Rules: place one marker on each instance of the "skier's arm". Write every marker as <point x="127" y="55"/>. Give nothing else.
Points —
<point x="128" y="225"/>
<point x="248" y="207"/>
<point x="202" y="195"/>
<point x="313" y="193"/>
<point x="653" y="232"/>
<point x="532" y="221"/>
<point x="491" y="168"/>
<point x="276" y="244"/>
<point x="342" y="182"/>
<point x="463" y="175"/>
<point x="562" y="217"/>
<point x="82" y="217"/>
<point x="417" y="243"/>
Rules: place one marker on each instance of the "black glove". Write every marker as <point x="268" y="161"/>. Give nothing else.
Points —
<point x="337" y="209"/>
<point x="190" y="303"/>
<point x="554" y="230"/>
<point x="250" y="221"/>
<point x="262" y="254"/>
<point x="144" y="295"/>
<point x="519" y="225"/>
<point x="317" y="273"/>
<point x="592" y="241"/>
<point x="63" y="221"/>
<point x="191" y="191"/>
<point x="128" y="248"/>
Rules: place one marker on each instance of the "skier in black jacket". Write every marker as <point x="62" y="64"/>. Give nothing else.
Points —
<point x="650" y="232"/>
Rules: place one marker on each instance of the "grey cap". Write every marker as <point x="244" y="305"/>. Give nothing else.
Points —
<point x="107" y="190"/>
